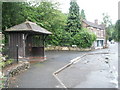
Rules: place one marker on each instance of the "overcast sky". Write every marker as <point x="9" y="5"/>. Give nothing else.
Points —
<point x="94" y="8"/>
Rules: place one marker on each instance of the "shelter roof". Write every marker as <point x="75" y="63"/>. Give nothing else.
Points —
<point x="28" y="26"/>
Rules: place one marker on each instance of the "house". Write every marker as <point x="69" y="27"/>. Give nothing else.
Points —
<point x="29" y="38"/>
<point x="98" y="30"/>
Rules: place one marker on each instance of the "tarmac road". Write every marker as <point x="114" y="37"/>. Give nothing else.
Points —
<point x="89" y="70"/>
<point x="39" y="75"/>
<point x="93" y="71"/>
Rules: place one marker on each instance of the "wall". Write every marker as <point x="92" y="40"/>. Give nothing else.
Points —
<point x="15" y="39"/>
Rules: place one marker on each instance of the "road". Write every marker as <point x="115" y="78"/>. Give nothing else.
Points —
<point x="93" y="71"/>
<point x="40" y="74"/>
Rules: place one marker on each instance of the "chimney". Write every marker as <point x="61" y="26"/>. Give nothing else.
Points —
<point x="96" y="21"/>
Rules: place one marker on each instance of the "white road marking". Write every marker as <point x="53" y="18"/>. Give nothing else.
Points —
<point x="59" y="80"/>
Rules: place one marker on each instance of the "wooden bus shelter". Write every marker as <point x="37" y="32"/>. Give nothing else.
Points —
<point x="29" y="37"/>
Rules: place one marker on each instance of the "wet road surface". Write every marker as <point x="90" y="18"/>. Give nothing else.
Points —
<point x="39" y="75"/>
<point x="93" y="71"/>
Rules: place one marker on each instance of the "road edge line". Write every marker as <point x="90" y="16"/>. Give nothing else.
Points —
<point x="64" y="67"/>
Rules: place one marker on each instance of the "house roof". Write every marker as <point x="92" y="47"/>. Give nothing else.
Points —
<point x="28" y="26"/>
<point x="102" y="27"/>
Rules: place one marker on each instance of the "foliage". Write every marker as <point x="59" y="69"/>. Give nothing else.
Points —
<point x="84" y="38"/>
<point x="106" y="20"/>
<point x="110" y="30"/>
<point x="82" y="15"/>
<point x="116" y="33"/>
<point x="47" y="15"/>
<point x="108" y="23"/>
<point x="1" y="74"/>
<point x="12" y="14"/>
<point x="66" y="39"/>
<point x="3" y="63"/>
<point x="73" y="21"/>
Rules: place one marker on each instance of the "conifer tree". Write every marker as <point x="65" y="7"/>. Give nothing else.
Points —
<point x="73" y="22"/>
<point x="82" y="15"/>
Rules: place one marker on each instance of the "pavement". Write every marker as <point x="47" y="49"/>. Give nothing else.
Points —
<point x="91" y="71"/>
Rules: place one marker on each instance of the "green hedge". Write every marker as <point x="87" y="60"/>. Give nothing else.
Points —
<point x="84" y="38"/>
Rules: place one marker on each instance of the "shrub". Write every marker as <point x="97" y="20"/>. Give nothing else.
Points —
<point x="84" y="38"/>
<point x="1" y="74"/>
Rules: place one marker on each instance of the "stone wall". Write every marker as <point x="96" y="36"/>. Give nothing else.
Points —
<point x="9" y="73"/>
<point x="59" y="48"/>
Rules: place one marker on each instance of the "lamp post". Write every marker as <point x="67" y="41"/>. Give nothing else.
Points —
<point x="17" y="53"/>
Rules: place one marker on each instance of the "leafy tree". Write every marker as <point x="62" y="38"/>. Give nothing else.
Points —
<point x="49" y="17"/>
<point x="12" y="14"/>
<point x="84" y="38"/>
<point x="45" y="14"/>
<point x="106" y="20"/>
<point x="73" y="21"/>
<point x="116" y="33"/>
<point x="67" y="40"/>
<point x="108" y="23"/>
<point x="110" y="31"/>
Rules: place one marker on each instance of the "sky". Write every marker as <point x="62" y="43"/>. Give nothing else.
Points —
<point x="94" y="8"/>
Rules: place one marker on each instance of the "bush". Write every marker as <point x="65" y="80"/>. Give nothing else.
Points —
<point x="1" y="74"/>
<point x="84" y="38"/>
<point x="5" y="62"/>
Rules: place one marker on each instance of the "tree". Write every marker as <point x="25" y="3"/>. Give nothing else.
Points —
<point x="106" y="20"/>
<point x="12" y="14"/>
<point x="108" y="23"/>
<point x="45" y="14"/>
<point x="116" y="33"/>
<point x="48" y="16"/>
<point x="73" y="20"/>
<point x="82" y="15"/>
<point x="84" y="39"/>
<point x="110" y="31"/>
